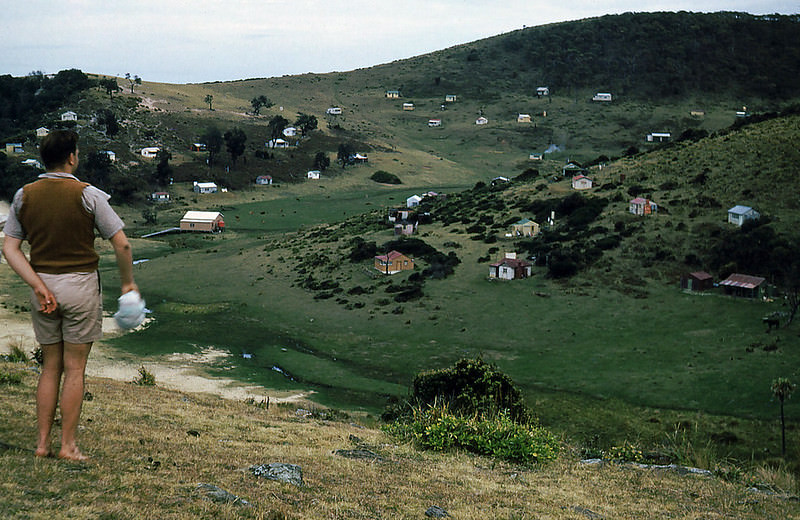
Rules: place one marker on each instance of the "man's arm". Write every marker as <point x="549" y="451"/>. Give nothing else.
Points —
<point x="122" y="250"/>
<point x="12" y="250"/>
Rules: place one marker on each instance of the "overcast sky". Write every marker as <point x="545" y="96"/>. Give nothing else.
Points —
<point x="183" y="41"/>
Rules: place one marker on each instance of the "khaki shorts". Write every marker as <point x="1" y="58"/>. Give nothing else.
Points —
<point x="79" y="315"/>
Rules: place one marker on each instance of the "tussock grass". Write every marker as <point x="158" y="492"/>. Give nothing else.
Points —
<point x="146" y="464"/>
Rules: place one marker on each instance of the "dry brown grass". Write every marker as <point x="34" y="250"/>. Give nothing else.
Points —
<point x="146" y="465"/>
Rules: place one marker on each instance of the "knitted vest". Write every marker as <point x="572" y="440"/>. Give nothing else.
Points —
<point x="59" y="229"/>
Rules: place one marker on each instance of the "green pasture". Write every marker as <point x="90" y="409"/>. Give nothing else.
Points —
<point x="669" y="349"/>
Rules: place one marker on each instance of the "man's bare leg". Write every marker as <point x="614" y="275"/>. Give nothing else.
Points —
<point x="47" y="395"/>
<point x="75" y="356"/>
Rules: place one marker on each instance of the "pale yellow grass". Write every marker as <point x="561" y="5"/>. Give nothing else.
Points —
<point x="151" y="448"/>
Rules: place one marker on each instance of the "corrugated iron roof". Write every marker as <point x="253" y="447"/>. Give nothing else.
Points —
<point x="742" y="280"/>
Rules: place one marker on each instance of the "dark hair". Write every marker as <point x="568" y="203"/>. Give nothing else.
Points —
<point x="57" y="146"/>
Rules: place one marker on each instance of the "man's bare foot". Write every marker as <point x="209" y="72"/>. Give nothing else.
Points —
<point x="43" y="452"/>
<point x="74" y="456"/>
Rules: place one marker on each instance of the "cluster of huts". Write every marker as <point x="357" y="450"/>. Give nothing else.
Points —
<point x="736" y="284"/>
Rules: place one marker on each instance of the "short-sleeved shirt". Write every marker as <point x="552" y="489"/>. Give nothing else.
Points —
<point x="94" y="200"/>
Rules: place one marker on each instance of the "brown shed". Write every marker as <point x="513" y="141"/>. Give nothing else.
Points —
<point x="697" y="281"/>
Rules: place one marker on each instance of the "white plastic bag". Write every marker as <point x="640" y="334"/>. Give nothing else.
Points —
<point x="131" y="311"/>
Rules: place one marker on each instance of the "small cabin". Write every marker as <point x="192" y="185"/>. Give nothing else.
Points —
<point x="393" y="262"/>
<point x="14" y="148"/>
<point x="523" y="118"/>
<point x="434" y="122"/>
<point x="542" y="91"/>
<point x="290" y="131"/>
<point x="510" y="268"/>
<point x="42" y="131"/>
<point x="159" y="196"/>
<point x="450" y="98"/>
<point x="277" y="143"/>
<point x="744" y="286"/>
<point x="413" y="201"/>
<point x="408" y="106"/>
<point x="313" y="174"/>
<point x="199" y="147"/>
<point x="738" y="215"/>
<point x="572" y="169"/>
<point x="525" y="228"/>
<point x="112" y="156"/>
<point x="33" y="163"/>
<point x="659" y="137"/>
<point x="392" y="94"/>
<point x="204" y="221"/>
<point x="69" y="116"/>
<point x="204" y="187"/>
<point x="399" y="214"/>
<point x="150" y="152"/>
<point x="481" y="121"/>
<point x="334" y="111"/>
<point x="601" y="96"/>
<point x="697" y="281"/>
<point x="642" y="207"/>
<point x="405" y="227"/>
<point x="582" y="182"/>
<point x="263" y="180"/>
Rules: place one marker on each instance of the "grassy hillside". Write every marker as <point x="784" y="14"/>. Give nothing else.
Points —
<point x="152" y="450"/>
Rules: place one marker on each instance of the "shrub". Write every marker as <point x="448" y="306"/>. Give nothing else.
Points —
<point x="145" y="378"/>
<point x="16" y="353"/>
<point x="608" y="242"/>
<point x="528" y="175"/>
<point x="436" y="428"/>
<point x="409" y="294"/>
<point x="385" y="177"/>
<point x="628" y="452"/>
<point x="562" y="266"/>
<point x="471" y="387"/>
<point x="362" y="250"/>
<point x="440" y="265"/>
<point x="7" y="378"/>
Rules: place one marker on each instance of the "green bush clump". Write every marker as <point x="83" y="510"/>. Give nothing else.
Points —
<point x="17" y="353"/>
<point x="470" y="388"/>
<point x="385" y="177"/>
<point x="361" y="250"/>
<point x="10" y="378"/>
<point x="145" y="378"/>
<point x="628" y="452"/>
<point x="436" y="428"/>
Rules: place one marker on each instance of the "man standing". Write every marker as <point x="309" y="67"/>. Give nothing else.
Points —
<point x="58" y="214"/>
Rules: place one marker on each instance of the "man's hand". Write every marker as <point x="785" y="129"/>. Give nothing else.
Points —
<point x="47" y="300"/>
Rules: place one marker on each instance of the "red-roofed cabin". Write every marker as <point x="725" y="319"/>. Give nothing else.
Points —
<point x="393" y="262"/>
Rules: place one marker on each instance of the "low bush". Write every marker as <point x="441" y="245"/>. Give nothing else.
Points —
<point x="145" y="378"/>
<point x="16" y="353"/>
<point x="10" y="378"/>
<point x="471" y="388"/>
<point x="385" y="177"/>
<point x="436" y="428"/>
<point x="362" y="250"/>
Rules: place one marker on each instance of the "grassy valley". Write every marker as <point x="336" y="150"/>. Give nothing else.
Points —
<point x="606" y="347"/>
